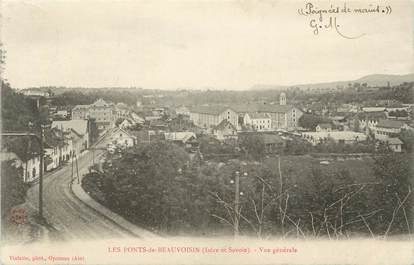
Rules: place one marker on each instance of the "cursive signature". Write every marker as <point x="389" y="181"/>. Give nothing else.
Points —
<point x="326" y="18"/>
<point x="332" y="24"/>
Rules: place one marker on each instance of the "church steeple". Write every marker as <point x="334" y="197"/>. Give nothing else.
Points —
<point x="282" y="98"/>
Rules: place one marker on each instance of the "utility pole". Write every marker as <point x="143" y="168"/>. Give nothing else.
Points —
<point x="236" y="203"/>
<point x="77" y="169"/>
<point x="41" y="174"/>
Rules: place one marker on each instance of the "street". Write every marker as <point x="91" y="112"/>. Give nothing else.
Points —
<point x="68" y="217"/>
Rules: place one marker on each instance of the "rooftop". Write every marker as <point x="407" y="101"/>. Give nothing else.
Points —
<point x="258" y="115"/>
<point x="325" y="125"/>
<point x="179" y="136"/>
<point x="80" y="126"/>
<point x="210" y="109"/>
<point x="390" y="124"/>
<point x="224" y="124"/>
<point x="242" y="108"/>
<point x="393" y="141"/>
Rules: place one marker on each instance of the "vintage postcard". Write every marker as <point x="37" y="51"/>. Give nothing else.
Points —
<point x="207" y="132"/>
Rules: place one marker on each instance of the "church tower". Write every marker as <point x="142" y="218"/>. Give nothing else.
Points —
<point x="282" y="99"/>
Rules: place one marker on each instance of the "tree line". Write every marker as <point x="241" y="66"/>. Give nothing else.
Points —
<point x="159" y="187"/>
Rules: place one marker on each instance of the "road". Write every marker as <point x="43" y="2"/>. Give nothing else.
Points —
<point x="70" y="218"/>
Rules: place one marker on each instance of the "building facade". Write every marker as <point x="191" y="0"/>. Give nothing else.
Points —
<point x="208" y="117"/>
<point x="104" y="113"/>
<point x="258" y="121"/>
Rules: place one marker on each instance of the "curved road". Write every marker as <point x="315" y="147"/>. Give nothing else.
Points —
<point x="68" y="217"/>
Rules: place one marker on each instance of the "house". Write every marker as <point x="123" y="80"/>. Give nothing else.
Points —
<point x="62" y="113"/>
<point x="123" y="138"/>
<point x="159" y="112"/>
<point x="324" y="127"/>
<point x="373" y="109"/>
<point x="125" y="124"/>
<point x="340" y="122"/>
<point x="54" y="145"/>
<point x="366" y="122"/>
<point x="283" y="116"/>
<point x="208" y="117"/>
<point x="80" y="112"/>
<point x="346" y="137"/>
<point x="104" y="113"/>
<point x="121" y="111"/>
<point x="225" y="131"/>
<point x="25" y="152"/>
<point x="387" y="129"/>
<point x="136" y="118"/>
<point x="394" y="144"/>
<point x="258" y="121"/>
<point x="36" y="92"/>
<point x="78" y="130"/>
<point x="185" y="139"/>
<point x="78" y="142"/>
<point x="273" y="143"/>
<point x="347" y="108"/>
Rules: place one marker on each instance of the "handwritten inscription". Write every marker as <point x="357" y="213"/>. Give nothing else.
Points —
<point x="327" y="18"/>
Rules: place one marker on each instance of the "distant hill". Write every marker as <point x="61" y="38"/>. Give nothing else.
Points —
<point x="382" y="80"/>
<point x="371" y="80"/>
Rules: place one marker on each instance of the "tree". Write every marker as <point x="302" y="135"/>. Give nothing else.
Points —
<point x="310" y="121"/>
<point x="150" y="185"/>
<point x="17" y="110"/>
<point x="407" y="137"/>
<point x="394" y="194"/>
<point x="13" y="189"/>
<point x="118" y="121"/>
<point x="253" y="145"/>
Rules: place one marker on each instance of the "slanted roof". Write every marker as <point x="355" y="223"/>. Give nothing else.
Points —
<point x="225" y="124"/>
<point x="100" y="103"/>
<point x="261" y="108"/>
<point x="394" y="141"/>
<point x="273" y="108"/>
<point x="325" y="125"/>
<point x="127" y="132"/>
<point x="80" y="107"/>
<point x="390" y="124"/>
<point x="258" y="115"/>
<point x="179" y="136"/>
<point x="372" y="116"/>
<point x="210" y="109"/>
<point x="80" y="126"/>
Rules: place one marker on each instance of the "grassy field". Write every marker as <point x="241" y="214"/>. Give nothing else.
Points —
<point x="298" y="168"/>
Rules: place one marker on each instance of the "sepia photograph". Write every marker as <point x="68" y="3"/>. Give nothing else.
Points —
<point x="207" y="132"/>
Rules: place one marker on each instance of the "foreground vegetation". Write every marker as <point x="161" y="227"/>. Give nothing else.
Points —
<point x="159" y="187"/>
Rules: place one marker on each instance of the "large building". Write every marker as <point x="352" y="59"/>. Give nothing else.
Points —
<point x="103" y="113"/>
<point x="258" y="121"/>
<point x="207" y="117"/>
<point x="386" y="129"/>
<point x="282" y="115"/>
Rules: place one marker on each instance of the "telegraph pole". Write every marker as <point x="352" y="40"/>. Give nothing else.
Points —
<point x="41" y="174"/>
<point x="236" y="204"/>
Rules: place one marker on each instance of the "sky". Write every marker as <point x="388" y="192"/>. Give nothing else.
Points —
<point x="198" y="44"/>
